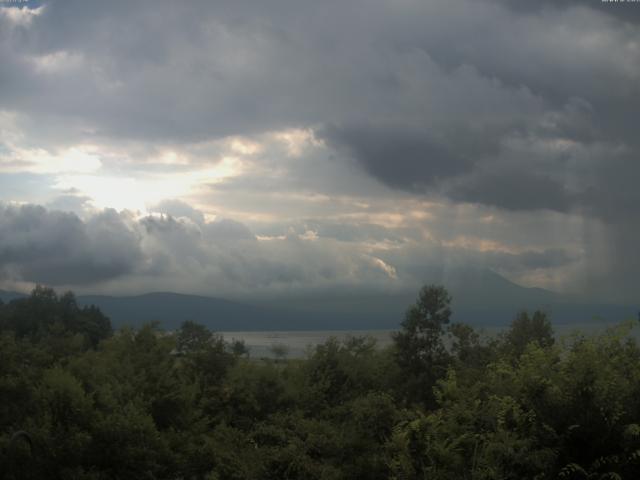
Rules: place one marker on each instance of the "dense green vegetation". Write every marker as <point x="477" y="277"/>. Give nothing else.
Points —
<point x="441" y="403"/>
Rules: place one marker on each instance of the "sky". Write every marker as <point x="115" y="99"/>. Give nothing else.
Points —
<point x="269" y="148"/>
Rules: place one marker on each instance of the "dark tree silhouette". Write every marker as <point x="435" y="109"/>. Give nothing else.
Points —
<point x="420" y="351"/>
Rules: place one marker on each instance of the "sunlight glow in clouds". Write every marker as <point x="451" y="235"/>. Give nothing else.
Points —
<point x="297" y="140"/>
<point x="21" y="16"/>
<point x="137" y="194"/>
<point x="80" y="159"/>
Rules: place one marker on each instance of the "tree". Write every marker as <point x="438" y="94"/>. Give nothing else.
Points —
<point x="55" y="320"/>
<point x="279" y="351"/>
<point x="192" y="337"/>
<point x="239" y="348"/>
<point x="526" y="329"/>
<point x="468" y="349"/>
<point x="420" y="351"/>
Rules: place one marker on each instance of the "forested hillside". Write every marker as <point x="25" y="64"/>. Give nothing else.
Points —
<point x="79" y="401"/>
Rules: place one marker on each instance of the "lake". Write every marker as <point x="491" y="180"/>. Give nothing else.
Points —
<point x="298" y="343"/>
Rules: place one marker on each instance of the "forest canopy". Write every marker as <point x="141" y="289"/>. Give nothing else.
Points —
<point x="80" y="401"/>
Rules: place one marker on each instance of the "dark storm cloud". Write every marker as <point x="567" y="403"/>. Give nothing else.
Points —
<point x="612" y="193"/>
<point x="514" y="190"/>
<point x="532" y="260"/>
<point x="625" y="11"/>
<point x="58" y="248"/>
<point x="174" y="71"/>
<point x="520" y="105"/>
<point x="435" y="88"/>
<point x="401" y="157"/>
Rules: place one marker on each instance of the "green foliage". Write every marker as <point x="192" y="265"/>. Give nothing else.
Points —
<point x="526" y="329"/>
<point x="420" y="350"/>
<point x="189" y="405"/>
<point x="193" y="338"/>
<point x="338" y="372"/>
<point x="57" y="322"/>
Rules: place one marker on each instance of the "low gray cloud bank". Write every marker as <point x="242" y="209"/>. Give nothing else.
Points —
<point x="58" y="248"/>
<point x="116" y="252"/>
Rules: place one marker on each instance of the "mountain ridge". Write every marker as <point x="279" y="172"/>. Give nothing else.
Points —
<point x="481" y="297"/>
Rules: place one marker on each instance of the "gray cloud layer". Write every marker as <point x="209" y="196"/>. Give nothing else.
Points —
<point x="517" y="106"/>
<point x="493" y="95"/>
<point x="54" y="247"/>
<point x="223" y="257"/>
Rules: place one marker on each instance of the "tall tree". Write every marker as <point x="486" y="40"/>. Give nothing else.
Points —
<point x="526" y="329"/>
<point x="419" y="347"/>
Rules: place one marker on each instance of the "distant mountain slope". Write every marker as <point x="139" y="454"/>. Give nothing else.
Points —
<point x="480" y="298"/>
<point x="171" y="309"/>
<point x="6" y="296"/>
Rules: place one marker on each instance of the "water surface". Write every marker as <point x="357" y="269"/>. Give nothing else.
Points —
<point x="296" y="344"/>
